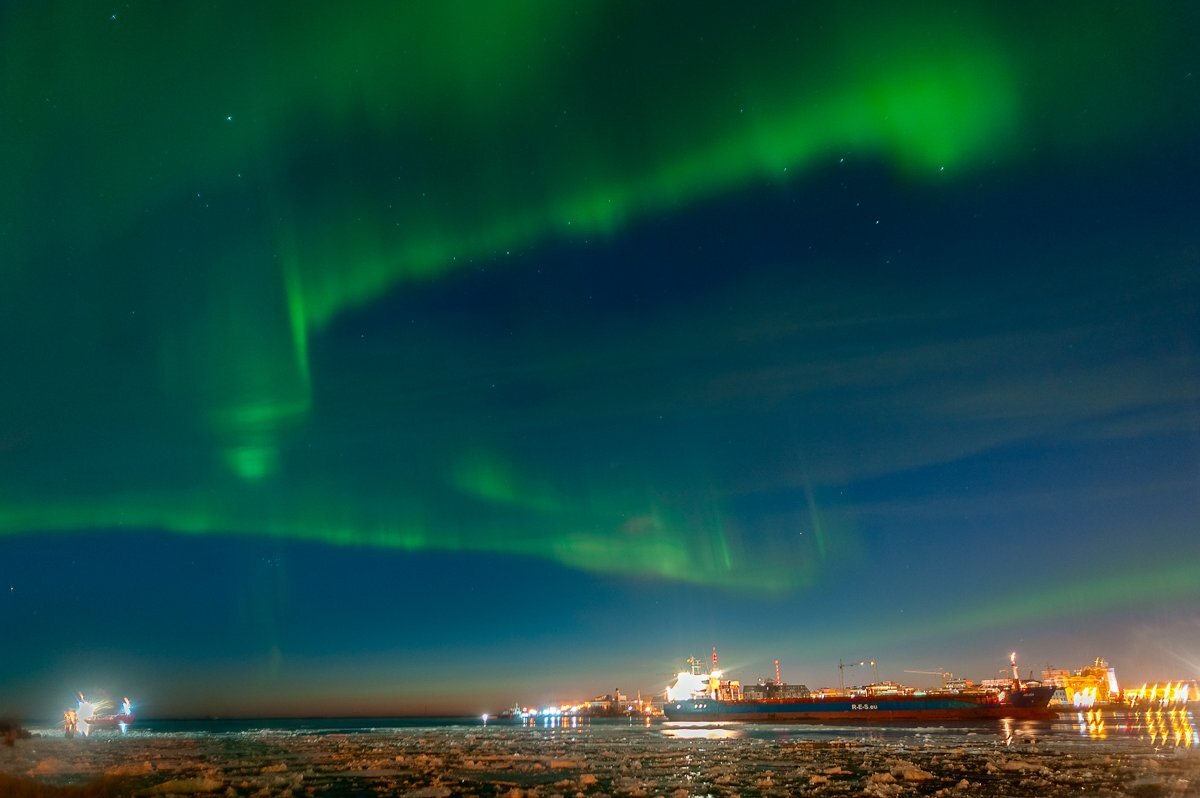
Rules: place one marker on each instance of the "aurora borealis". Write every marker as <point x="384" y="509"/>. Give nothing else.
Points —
<point x="426" y="357"/>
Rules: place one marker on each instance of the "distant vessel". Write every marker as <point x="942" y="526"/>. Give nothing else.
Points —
<point x="717" y="699"/>
<point x="88" y="717"/>
<point x="119" y="721"/>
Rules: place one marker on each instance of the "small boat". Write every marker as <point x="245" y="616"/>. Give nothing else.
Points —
<point x="119" y="721"/>
<point x="89" y="717"/>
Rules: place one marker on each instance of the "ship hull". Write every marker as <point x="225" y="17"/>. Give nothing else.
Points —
<point x="1027" y="704"/>
<point x="109" y="721"/>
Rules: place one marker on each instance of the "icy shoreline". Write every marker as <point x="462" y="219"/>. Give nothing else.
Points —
<point x="596" y="760"/>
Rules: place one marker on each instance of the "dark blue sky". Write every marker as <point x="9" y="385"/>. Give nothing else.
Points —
<point x="426" y="370"/>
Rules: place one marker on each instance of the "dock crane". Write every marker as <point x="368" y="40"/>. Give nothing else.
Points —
<point x="842" y="668"/>
<point x="945" y="675"/>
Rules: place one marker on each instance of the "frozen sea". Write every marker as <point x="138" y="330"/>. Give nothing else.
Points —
<point x="1111" y="754"/>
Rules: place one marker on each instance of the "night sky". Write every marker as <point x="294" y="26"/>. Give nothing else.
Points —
<point x="375" y="358"/>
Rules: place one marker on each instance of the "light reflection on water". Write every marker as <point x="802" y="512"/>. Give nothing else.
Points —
<point x="573" y="721"/>
<point x="1156" y="728"/>
<point x="1025" y="731"/>
<point x="1112" y="729"/>
<point x="1124" y="728"/>
<point x="1172" y="728"/>
<point x="704" y="731"/>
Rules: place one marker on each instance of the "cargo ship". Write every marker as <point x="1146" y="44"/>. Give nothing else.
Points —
<point x="712" y="698"/>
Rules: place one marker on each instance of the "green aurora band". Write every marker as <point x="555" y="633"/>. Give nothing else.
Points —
<point x="494" y="143"/>
<point x="1144" y="583"/>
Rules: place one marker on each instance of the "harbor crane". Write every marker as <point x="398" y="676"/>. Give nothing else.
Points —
<point x="945" y="675"/>
<point x="842" y="668"/>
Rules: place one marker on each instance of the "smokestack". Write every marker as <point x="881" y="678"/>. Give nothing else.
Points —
<point x="714" y="658"/>
<point x="777" y="679"/>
